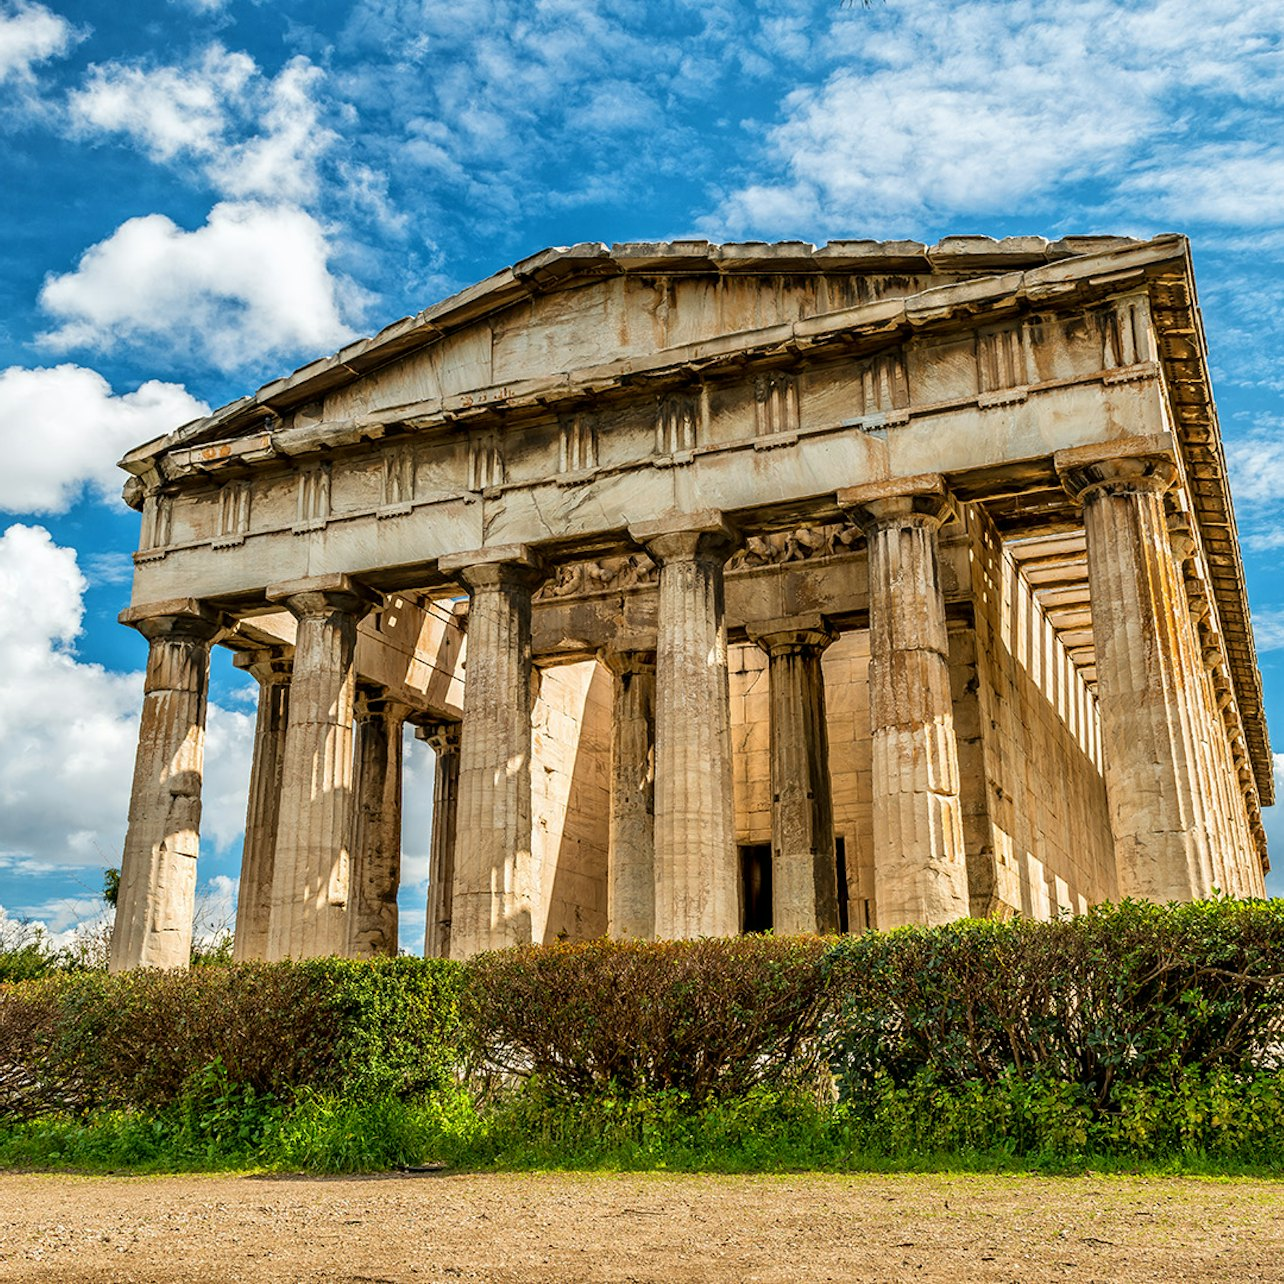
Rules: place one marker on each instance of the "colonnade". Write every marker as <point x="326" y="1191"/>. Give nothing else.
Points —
<point x="322" y="835"/>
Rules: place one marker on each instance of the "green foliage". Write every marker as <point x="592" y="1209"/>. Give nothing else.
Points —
<point x="1128" y="994"/>
<point x="708" y="1018"/>
<point x="111" y="885"/>
<point x="87" y="1042"/>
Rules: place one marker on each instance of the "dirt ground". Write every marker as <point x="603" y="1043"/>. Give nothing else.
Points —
<point x="453" y="1227"/>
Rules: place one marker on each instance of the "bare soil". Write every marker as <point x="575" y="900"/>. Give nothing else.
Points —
<point x="515" y="1227"/>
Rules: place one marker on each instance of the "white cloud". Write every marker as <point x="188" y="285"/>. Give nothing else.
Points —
<point x="62" y="429"/>
<point x="252" y="283"/>
<point x="31" y="34"/>
<point x="68" y="730"/>
<point x="254" y="137"/>
<point x="940" y="109"/>
<point x="1256" y="462"/>
<point x="1268" y="629"/>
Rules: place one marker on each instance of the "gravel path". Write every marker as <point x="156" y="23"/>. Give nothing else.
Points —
<point x="512" y="1227"/>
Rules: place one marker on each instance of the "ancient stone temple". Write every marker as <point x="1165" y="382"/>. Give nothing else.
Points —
<point x="735" y="587"/>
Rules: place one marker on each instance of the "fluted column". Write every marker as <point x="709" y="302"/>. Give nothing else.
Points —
<point x="376" y="839"/>
<point x="443" y="738"/>
<point x="271" y="669"/>
<point x="631" y="882"/>
<point x="1143" y="672"/>
<point x="696" y="875"/>
<point x="158" y="867"/>
<point x="804" y="871"/>
<point x="310" y="879"/>
<point x="495" y="893"/>
<point x="920" y="870"/>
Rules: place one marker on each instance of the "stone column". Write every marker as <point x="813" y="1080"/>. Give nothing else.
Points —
<point x="158" y="867"/>
<point x="920" y="868"/>
<point x="697" y="886"/>
<point x="804" y="871"/>
<point x="495" y="894"/>
<point x="310" y="880"/>
<point x="443" y="737"/>
<point x="376" y="839"/>
<point x="271" y="669"/>
<point x="1143" y="680"/>
<point x="631" y="880"/>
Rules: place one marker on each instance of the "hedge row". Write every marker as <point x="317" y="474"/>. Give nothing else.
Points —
<point x="1124" y="998"/>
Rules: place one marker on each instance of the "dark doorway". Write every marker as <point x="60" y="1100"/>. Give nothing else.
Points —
<point x="755" y="887"/>
<point x="840" y="858"/>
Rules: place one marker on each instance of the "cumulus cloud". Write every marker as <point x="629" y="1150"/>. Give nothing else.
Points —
<point x="253" y="136"/>
<point x="62" y="429"/>
<point x="938" y="109"/>
<point x="68" y="729"/>
<point x="254" y="282"/>
<point x="1256" y="462"/>
<point x="30" y="34"/>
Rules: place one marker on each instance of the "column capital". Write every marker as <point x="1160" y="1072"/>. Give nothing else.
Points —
<point x="441" y="737"/>
<point x="180" y="617"/>
<point x="1132" y="465"/>
<point x="792" y="634"/>
<point x="266" y="664"/>
<point x="499" y="566"/>
<point x="377" y="702"/>
<point x="629" y="659"/>
<point x="323" y="594"/>
<point x="685" y="537"/>
<point x="923" y="499"/>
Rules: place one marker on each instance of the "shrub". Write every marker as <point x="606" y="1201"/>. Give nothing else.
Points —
<point x="1134" y="993"/>
<point x="708" y="1018"/>
<point x="89" y="1041"/>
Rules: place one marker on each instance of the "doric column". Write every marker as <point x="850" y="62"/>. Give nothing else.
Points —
<point x="443" y="737"/>
<point x="158" y="868"/>
<point x="1143" y="674"/>
<point x="804" y="872"/>
<point x="271" y="669"/>
<point x="696" y="876"/>
<point x="376" y="838"/>
<point x="310" y="879"/>
<point x="495" y="896"/>
<point x="631" y="863"/>
<point x="920" y="870"/>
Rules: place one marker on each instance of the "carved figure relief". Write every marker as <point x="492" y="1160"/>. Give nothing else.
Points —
<point x="798" y="545"/>
<point x="775" y="403"/>
<point x="485" y="461"/>
<point x="675" y="423"/>
<point x="607" y="574"/>
<point x="313" y="496"/>
<point x="884" y="384"/>
<point x="577" y="448"/>
<point x="398" y="475"/>
<point x="1000" y="359"/>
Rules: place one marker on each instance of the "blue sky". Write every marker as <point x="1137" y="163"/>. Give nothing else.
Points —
<point x="202" y="194"/>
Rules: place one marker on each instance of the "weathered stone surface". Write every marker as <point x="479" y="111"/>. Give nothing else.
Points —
<point x="158" y="868"/>
<point x="595" y="422"/>
<point x="443" y="738"/>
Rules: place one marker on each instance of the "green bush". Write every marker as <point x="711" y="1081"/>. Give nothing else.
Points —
<point x="85" y="1042"/>
<point x="1134" y="994"/>
<point x="708" y="1018"/>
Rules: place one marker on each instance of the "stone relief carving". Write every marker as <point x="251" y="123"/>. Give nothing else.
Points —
<point x="798" y="545"/>
<point x="398" y="475"/>
<point x="577" y="447"/>
<point x="1000" y="359"/>
<point x="675" y="423"/>
<point x="775" y="403"/>
<point x="607" y="574"/>
<point x="485" y="461"/>
<point x="884" y="383"/>
<point x="313" y="497"/>
<point x="158" y="522"/>
<point x="1125" y="334"/>
<point x="234" y="510"/>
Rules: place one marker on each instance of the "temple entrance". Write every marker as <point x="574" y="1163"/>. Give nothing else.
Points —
<point x="755" y="887"/>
